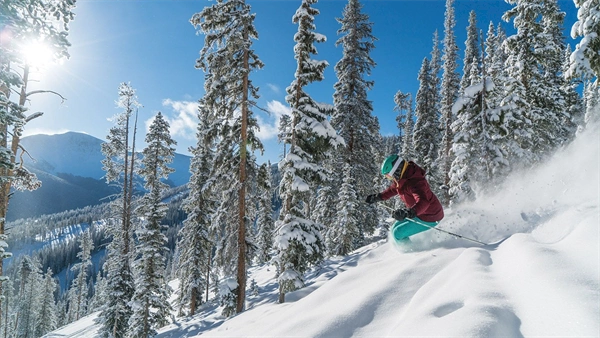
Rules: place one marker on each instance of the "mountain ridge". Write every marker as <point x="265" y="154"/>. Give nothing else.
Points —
<point x="70" y="168"/>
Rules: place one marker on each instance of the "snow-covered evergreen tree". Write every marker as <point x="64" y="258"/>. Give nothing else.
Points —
<point x="404" y="106"/>
<point x="195" y="244"/>
<point x="78" y="292"/>
<point x="556" y="126"/>
<point x="592" y="104"/>
<point x="35" y="21"/>
<point x="449" y="92"/>
<point x="436" y="68"/>
<point x="353" y="115"/>
<point x="99" y="298"/>
<point x="343" y="234"/>
<point x="467" y="129"/>
<point x="585" y="60"/>
<point x="283" y="136"/>
<point x="325" y="212"/>
<point x="299" y="240"/>
<point x="472" y="58"/>
<point x="264" y="222"/>
<point x="47" y="320"/>
<point x="28" y="302"/>
<point x="227" y="59"/>
<point x="9" y="296"/>
<point x="469" y="122"/>
<point x="574" y="120"/>
<point x="150" y="302"/>
<point x="495" y="166"/>
<point x="119" y="166"/>
<point x="425" y="132"/>
<point x="533" y="92"/>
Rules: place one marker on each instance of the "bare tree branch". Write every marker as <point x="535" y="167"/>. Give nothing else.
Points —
<point x="63" y="99"/>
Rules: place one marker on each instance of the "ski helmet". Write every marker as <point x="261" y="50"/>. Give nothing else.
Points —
<point x="390" y="164"/>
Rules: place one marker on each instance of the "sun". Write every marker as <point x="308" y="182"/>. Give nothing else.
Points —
<point x="37" y="53"/>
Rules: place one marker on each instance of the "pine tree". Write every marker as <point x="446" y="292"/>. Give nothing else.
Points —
<point x="436" y="68"/>
<point x="325" y="213"/>
<point x="592" y="104"/>
<point x="28" y="302"/>
<point x="405" y="123"/>
<point x="299" y="240"/>
<point x="449" y="93"/>
<point x="100" y="290"/>
<point x="585" y="60"/>
<point x="472" y="59"/>
<point x="555" y="126"/>
<point x="119" y="166"/>
<point x="468" y="125"/>
<point x="344" y="233"/>
<point x="495" y="166"/>
<point x="195" y="244"/>
<point x="573" y="121"/>
<point x="9" y="298"/>
<point x="264" y="222"/>
<point x="467" y="129"/>
<point x="353" y="114"/>
<point x="228" y="58"/>
<point x="533" y="94"/>
<point x="284" y="132"/>
<point x="35" y="20"/>
<point x="425" y="131"/>
<point x="48" y="320"/>
<point x="78" y="291"/>
<point x="150" y="302"/>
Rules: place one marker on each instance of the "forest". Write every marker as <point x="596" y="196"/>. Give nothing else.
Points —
<point x="517" y="99"/>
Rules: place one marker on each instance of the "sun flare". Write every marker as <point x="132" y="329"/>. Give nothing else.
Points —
<point x="37" y="54"/>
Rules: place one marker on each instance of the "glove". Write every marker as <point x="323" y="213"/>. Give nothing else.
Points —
<point x="401" y="214"/>
<point x="373" y="198"/>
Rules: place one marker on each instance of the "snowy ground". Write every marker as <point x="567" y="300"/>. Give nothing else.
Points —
<point x="542" y="281"/>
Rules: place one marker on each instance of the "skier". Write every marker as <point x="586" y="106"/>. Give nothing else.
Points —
<point x="408" y="182"/>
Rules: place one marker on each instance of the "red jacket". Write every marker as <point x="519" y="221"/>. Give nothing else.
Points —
<point x="414" y="190"/>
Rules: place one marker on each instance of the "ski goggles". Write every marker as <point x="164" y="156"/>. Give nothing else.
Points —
<point x="390" y="175"/>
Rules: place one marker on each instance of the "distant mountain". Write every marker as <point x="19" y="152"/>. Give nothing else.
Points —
<point x="70" y="153"/>
<point x="69" y="166"/>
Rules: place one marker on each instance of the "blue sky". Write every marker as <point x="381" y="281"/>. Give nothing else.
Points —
<point x="152" y="45"/>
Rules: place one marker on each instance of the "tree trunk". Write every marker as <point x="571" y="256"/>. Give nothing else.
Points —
<point x="193" y="301"/>
<point x="8" y="173"/>
<point x="241" y="264"/>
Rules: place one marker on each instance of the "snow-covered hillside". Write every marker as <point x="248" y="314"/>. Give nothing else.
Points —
<point x="70" y="169"/>
<point x="542" y="280"/>
<point x="71" y="153"/>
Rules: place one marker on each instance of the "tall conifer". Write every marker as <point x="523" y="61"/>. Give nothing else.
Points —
<point x="150" y="301"/>
<point x="299" y="240"/>
<point x="119" y="165"/>
<point x="353" y="115"/>
<point x="449" y="92"/>
<point x="228" y="59"/>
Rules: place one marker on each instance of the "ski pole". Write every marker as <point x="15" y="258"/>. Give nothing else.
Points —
<point x="442" y="230"/>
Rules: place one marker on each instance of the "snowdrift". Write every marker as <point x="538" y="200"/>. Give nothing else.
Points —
<point x="543" y="280"/>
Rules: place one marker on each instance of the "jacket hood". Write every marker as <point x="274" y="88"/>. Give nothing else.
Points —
<point x="413" y="171"/>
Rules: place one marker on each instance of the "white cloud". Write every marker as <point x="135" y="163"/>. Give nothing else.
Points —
<point x="269" y="129"/>
<point x="183" y="122"/>
<point x="274" y="88"/>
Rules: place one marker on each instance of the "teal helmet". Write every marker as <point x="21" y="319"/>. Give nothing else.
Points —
<point x="390" y="164"/>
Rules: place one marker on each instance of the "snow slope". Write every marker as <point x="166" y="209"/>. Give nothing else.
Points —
<point x="543" y="280"/>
